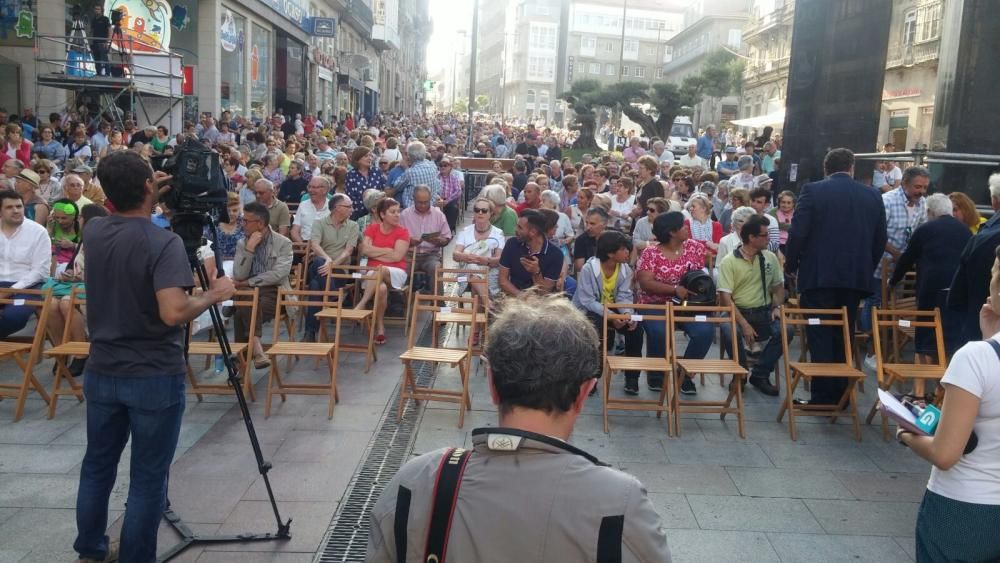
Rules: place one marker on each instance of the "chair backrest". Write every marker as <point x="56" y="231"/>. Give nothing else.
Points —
<point x="440" y="304"/>
<point x="351" y="275"/>
<point x="41" y="301"/>
<point x="460" y="275"/>
<point x="893" y="320"/>
<point x="289" y="298"/>
<point x="713" y="314"/>
<point x="815" y="317"/>
<point x="245" y="298"/>
<point x="641" y="312"/>
<point x="297" y="275"/>
<point x="77" y="298"/>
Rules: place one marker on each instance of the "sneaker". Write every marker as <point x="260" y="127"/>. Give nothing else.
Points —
<point x="632" y="386"/>
<point x="76" y="366"/>
<point x="111" y="557"/>
<point x="687" y="387"/>
<point x="763" y="384"/>
<point x="870" y="362"/>
<point x="654" y="384"/>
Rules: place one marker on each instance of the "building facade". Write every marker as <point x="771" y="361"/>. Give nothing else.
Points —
<point x="911" y="73"/>
<point x="249" y="57"/>
<point x="529" y="85"/>
<point x="767" y="45"/>
<point x="708" y="27"/>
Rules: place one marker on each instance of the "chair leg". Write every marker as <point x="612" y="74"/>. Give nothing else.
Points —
<point x="248" y="387"/>
<point x="193" y="382"/>
<point x="56" y="385"/>
<point x="606" y="382"/>
<point x="332" y="362"/>
<point x="465" y="394"/>
<point x="740" y="417"/>
<point x="405" y="391"/>
<point x="270" y="388"/>
<point x="675" y="384"/>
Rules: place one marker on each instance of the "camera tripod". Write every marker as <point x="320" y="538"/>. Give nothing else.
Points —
<point x="189" y="227"/>
<point x="117" y="40"/>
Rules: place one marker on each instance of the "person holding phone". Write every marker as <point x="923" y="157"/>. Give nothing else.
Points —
<point x="961" y="507"/>
<point x="530" y="261"/>
<point x="429" y="231"/>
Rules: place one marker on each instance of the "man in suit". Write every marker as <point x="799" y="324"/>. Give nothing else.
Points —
<point x="970" y="287"/>
<point x="834" y="245"/>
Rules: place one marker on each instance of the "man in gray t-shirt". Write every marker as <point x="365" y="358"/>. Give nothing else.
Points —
<point x="136" y="280"/>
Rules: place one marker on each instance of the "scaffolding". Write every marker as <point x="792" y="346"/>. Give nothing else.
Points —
<point x="142" y="76"/>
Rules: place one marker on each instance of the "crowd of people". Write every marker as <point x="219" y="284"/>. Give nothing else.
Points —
<point x="601" y="228"/>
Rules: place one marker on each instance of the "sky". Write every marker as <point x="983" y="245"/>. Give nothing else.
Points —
<point x="448" y="17"/>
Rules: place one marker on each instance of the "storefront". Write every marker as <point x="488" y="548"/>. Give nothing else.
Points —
<point x="908" y="107"/>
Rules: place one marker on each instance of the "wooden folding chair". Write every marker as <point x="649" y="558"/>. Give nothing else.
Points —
<point x="245" y="298"/>
<point x="708" y="314"/>
<point x="613" y="364"/>
<point x="408" y="293"/>
<point x="354" y="276"/>
<point x="461" y="316"/>
<point x="64" y="350"/>
<point x="408" y="388"/>
<point x="24" y="353"/>
<point x="795" y="372"/>
<point x="919" y="372"/>
<point x="903" y="297"/>
<point x="290" y="298"/>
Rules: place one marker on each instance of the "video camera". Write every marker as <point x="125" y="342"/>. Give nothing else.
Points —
<point x="199" y="193"/>
<point x="116" y="18"/>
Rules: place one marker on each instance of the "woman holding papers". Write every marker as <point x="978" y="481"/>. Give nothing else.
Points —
<point x="960" y="513"/>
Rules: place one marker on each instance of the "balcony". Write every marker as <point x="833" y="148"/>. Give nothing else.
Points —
<point x="359" y="16"/>
<point x="902" y="55"/>
<point x="755" y="74"/>
<point x="781" y="16"/>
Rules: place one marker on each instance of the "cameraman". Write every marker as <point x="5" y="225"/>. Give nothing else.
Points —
<point x="100" y="30"/>
<point x="543" y="359"/>
<point x="137" y="275"/>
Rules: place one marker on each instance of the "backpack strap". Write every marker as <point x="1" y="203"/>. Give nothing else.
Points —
<point x="995" y="345"/>
<point x="763" y="277"/>
<point x="449" y="480"/>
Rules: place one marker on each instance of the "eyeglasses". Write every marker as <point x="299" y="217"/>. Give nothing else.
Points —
<point x="480" y="210"/>
<point x="652" y="210"/>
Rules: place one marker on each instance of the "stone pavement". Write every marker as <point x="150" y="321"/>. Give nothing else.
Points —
<point x="766" y="498"/>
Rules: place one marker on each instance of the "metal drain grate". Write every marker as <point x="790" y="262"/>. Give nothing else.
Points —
<point x="347" y="537"/>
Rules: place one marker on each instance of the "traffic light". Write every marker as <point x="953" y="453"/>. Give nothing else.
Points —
<point x="429" y="85"/>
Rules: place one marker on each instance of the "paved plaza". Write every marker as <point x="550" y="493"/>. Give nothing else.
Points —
<point x="766" y="498"/>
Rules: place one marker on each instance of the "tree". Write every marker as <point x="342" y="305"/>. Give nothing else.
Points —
<point x="482" y="102"/>
<point x="652" y="108"/>
<point x="584" y="97"/>
<point x="461" y="106"/>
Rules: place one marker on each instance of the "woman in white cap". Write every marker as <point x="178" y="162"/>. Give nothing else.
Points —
<point x="35" y="207"/>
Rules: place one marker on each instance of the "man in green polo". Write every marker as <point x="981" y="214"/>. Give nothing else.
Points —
<point x="752" y="279"/>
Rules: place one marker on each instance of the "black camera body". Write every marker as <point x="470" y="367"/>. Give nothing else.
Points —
<point x="116" y="18"/>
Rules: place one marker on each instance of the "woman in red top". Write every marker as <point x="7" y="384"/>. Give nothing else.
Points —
<point x="385" y="244"/>
<point x="15" y="146"/>
<point x="659" y="272"/>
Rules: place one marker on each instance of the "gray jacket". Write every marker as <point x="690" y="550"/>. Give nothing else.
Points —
<point x="524" y="497"/>
<point x="279" y="263"/>
<point x="590" y="285"/>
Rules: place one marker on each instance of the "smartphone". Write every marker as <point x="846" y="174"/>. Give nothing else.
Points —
<point x="427" y="236"/>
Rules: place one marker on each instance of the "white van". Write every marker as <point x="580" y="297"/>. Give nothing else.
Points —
<point x="682" y="134"/>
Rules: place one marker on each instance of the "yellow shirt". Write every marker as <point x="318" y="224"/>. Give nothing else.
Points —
<point x="608" y="291"/>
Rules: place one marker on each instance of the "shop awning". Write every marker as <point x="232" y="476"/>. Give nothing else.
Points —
<point x="774" y="119"/>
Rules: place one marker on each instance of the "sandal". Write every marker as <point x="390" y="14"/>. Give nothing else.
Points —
<point x="380" y="339"/>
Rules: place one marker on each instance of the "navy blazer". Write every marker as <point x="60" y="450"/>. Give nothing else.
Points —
<point x="838" y="235"/>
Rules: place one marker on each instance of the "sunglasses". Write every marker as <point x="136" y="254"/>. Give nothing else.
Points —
<point x="480" y="210"/>
<point x="652" y="210"/>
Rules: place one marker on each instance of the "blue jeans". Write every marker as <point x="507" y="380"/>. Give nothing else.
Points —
<point x="14" y="318"/>
<point x="873" y="300"/>
<point x="150" y="409"/>
<point x="768" y="357"/>
<point x="700" y="336"/>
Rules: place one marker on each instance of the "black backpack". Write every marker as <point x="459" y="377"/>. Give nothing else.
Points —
<point x="700" y="286"/>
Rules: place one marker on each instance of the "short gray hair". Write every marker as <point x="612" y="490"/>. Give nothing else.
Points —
<point x="337" y="199"/>
<point x="995" y="186"/>
<point x="741" y="214"/>
<point x="422" y="188"/>
<point x="939" y="205"/>
<point x="540" y="351"/>
<point x="267" y="182"/>
<point x="746" y="161"/>
<point x="416" y="150"/>
<point x="326" y="181"/>
<point x="658" y="144"/>
<point x="496" y="194"/>
<point x="551" y="197"/>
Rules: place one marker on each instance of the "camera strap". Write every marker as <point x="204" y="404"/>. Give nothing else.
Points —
<point x="449" y="480"/>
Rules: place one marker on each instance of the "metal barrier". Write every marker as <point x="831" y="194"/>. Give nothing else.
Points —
<point x="475" y="181"/>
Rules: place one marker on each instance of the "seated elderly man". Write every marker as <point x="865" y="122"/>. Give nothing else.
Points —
<point x="91" y="190"/>
<point x="263" y="260"/>
<point x="333" y="240"/>
<point x="72" y="186"/>
<point x="27" y="257"/>
<point x="279" y="216"/>
<point x="419" y="171"/>
<point x="428" y="228"/>
<point x="314" y="209"/>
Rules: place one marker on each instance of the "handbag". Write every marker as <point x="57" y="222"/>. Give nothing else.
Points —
<point x="701" y="289"/>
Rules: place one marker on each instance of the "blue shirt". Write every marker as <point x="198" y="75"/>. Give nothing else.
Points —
<point x="356" y="184"/>
<point x="706" y="146"/>
<point x="421" y="172"/>
<point x="550" y="262"/>
<point x="733" y="165"/>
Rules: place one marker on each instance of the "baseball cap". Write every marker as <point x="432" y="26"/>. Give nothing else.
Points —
<point x="30" y="176"/>
<point x="730" y="150"/>
<point x="82" y="169"/>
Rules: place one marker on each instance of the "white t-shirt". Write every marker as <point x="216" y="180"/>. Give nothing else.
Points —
<point x="485" y="247"/>
<point x="894" y="175"/>
<point x="307" y="214"/>
<point x="691" y="161"/>
<point x="623" y="207"/>
<point x="976" y="477"/>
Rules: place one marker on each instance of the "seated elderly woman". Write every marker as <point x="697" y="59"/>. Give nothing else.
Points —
<point x="62" y="286"/>
<point x="478" y="246"/>
<point x="564" y="234"/>
<point x="385" y="244"/>
<point x="503" y="217"/>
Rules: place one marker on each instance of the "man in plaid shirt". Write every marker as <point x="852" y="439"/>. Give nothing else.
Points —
<point x="420" y="171"/>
